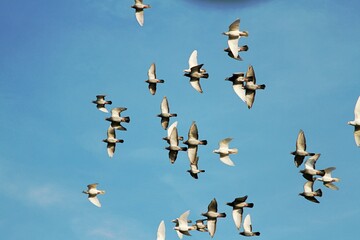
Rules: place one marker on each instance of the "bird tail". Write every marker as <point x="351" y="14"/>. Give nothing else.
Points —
<point x="161" y="81"/>
<point x="250" y="205"/>
<point x="244" y="48"/>
<point x="127" y="119"/>
<point x="234" y="150"/>
<point x="318" y="192"/>
<point x="262" y="86"/>
<point x="109" y="102"/>
<point x="181" y="138"/>
<point x="222" y="215"/>
<point x="205" y="75"/>
<point x="120" y="141"/>
<point x="101" y="192"/>
<point x="201" y="170"/>
<point x="183" y="148"/>
<point x="173" y="115"/>
<point x="336" y="179"/>
<point x="256" y="233"/>
<point x="203" y="142"/>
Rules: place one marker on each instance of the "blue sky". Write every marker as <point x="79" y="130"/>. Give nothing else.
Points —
<point x="56" y="56"/>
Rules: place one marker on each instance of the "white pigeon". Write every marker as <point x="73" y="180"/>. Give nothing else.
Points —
<point x="139" y="11"/>
<point x="328" y="180"/>
<point x="92" y="194"/>
<point x="174" y="147"/>
<point x="161" y="231"/>
<point x="309" y="193"/>
<point x="195" y="74"/>
<point x="238" y="80"/>
<point x="116" y="118"/>
<point x="212" y="215"/>
<point x="169" y="130"/>
<point x="111" y="141"/>
<point x="240" y="49"/>
<point x="193" y="142"/>
<point x="194" y="169"/>
<point x="251" y="87"/>
<point x="165" y="113"/>
<point x="152" y="80"/>
<point x="233" y="37"/>
<point x="310" y="170"/>
<point x="356" y="122"/>
<point x="248" y="228"/>
<point x="193" y="62"/>
<point x="100" y="103"/>
<point x="182" y="227"/>
<point x="224" y="151"/>
<point x="300" y="151"/>
<point x="238" y="204"/>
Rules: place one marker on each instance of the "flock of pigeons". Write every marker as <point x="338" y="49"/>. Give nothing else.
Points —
<point x="244" y="85"/>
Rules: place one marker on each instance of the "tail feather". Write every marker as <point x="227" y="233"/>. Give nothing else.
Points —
<point x="109" y="102"/>
<point x="161" y="81"/>
<point x="250" y="205"/>
<point x="244" y="48"/>
<point x="127" y="119"/>
<point x="205" y="75"/>
<point x="257" y="233"/>
<point x="183" y="149"/>
<point x="234" y="150"/>
<point x="318" y="192"/>
<point x="262" y="86"/>
<point x="203" y="142"/>
<point x="222" y="215"/>
<point x="173" y="115"/>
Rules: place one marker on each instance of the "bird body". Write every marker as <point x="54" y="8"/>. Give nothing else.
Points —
<point x="111" y="141"/>
<point x="248" y="228"/>
<point x="195" y="74"/>
<point x="212" y="214"/>
<point x="139" y="11"/>
<point x="193" y="142"/>
<point x="200" y="225"/>
<point x="101" y="102"/>
<point x="152" y="80"/>
<point x="300" y="151"/>
<point x="174" y="147"/>
<point x="92" y="192"/>
<point x="356" y="122"/>
<point x="309" y="193"/>
<point x="251" y="87"/>
<point x="165" y="115"/>
<point x="224" y="151"/>
<point x="328" y="180"/>
<point x="116" y="118"/>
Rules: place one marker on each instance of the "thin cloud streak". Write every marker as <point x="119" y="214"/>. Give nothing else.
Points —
<point x="228" y="3"/>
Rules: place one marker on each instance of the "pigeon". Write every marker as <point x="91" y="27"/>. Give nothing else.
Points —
<point x="238" y="204"/>
<point x="310" y="170"/>
<point x="200" y="226"/>
<point x="139" y="11"/>
<point x="238" y="79"/>
<point x="233" y="37"/>
<point x="356" y="123"/>
<point x="194" y="170"/>
<point x="193" y="142"/>
<point x="240" y="49"/>
<point x="193" y="62"/>
<point x="251" y="86"/>
<point x="92" y="194"/>
<point x="328" y="180"/>
<point x="174" y="146"/>
<point x="224" y="151"/>
<point x="212" y="214"/>
<point x="152" y="80"/>
<point x="309" y="193"/>
<point x="111" y="141"/>
<point x="161" y="231"/>
<point x="100" y="103"/>
<point x="182" y="227"/>
<point x="300" y="151"/>
<point x="248" y="228"/>
<point x="116" y="118"/>
<point x="165" y="115"/>
<point x="169" y="130"/>
<point x="195" y="74"/>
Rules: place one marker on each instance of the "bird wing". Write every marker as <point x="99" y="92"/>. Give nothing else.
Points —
<point x="195" y="83"/>
<point x="172" y="126"/>
<point x="312" y="199"/>
<point x="310" y="162"/>
<point x="212" y="206"/>
<point x="174" y="140"/>
<point x="225" y="143"/>
<point x="138" y="1"/>
<point x="235" y="25"/>
<point x="298" y="160"/>
<point x="164" y="105"/>
<point x="193" y="59"/>
<point x="357" y="135"/>
<point x="240" y="91"/>
<point x="233" y="45"/>
<point x="115" y="112"/>
<point x="94" y="200"/>
<point x="301" y="141"/>
<point x="328" y="171"/>
<point x="161" y="231"/>
<point x="240" y="199"/>
<point x="173" y="156"/>
<point x="192" y="152"/>
<point x="237" y="216"/>
<point x="152" y="71"/>
<point x="226" y="159"/>
<point x="211" y="225"/>
<point x="100" y="97"/>
<point x="111" y="132"/>
<point x="93" y="185"/>
<point x="102" y="108"/>
<point x="193" y="131"/>
<point x="357" y="109"/>
<point x="331" y="186"/>
<point x="249" y="97"/>
<point x="183" y="220"/>
<point x="152" y="88"/>
<point x="139" y="14"/>
<point x="111" y="149"/>
<point x="308" y="186"/>
<point x="247" y="224"/>
<point x="250" y="74"/>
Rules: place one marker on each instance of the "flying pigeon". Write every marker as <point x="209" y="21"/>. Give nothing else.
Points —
<point x="195" y="74"/>
<point x="238" y="204"/>
<point x="111" y="141"/>
<point x="248" y="228"/>
<point x="234" y="35"/>
<point x="328" y="180"/>
<point x="224" y="151"/>
<point x="251" y="87"/>
<point x="169" y="130"/>
<point x="92" y="194"/>
<point x="139" y="11"/>
<point x="300" y="151"/>
<point x="116" y="118"/>
<point x="193" y="62"/>
<point x="238" y="79"/>
<point x="161" y="231"/>
<point x="100" y="103"/>
<point x="310" y="170"/>
<point x="165" y="115"/>
<point x="193" y="142"/>
<point x="240" y="49"/>
<point x="309" y="193"/>
<point x="182" y="227"/>
<point x="174" y="146"/>
<point x="152" y="80"/>
<point x="212" y="214"/>
<point x="194" y="170"/>
<point x="356" y="123"/>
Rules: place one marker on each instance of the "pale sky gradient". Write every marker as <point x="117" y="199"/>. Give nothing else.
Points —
<point x="56" y="56"/>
